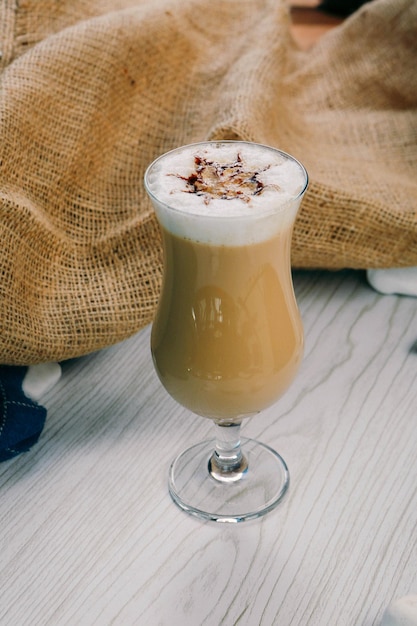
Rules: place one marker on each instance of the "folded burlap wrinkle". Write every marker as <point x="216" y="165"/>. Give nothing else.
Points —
<point x="92" y="91"/>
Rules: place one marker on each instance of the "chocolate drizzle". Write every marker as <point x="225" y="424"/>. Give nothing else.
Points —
<point x="225" y="181"/>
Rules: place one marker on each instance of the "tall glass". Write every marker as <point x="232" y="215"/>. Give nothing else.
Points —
<point x="227" y="339"/>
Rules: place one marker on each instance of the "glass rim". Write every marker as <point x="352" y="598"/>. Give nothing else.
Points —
<point x="273" y="211"/>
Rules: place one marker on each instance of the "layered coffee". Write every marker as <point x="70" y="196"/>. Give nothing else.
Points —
<point x="227" y="338"/>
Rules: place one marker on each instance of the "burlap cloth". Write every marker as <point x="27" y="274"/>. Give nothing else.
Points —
<point x="93" y="90"/>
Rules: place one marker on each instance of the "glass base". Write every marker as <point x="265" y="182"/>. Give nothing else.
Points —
<point x="253" y="493"/>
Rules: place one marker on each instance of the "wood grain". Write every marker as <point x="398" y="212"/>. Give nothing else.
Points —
<point x="90" y="536"/>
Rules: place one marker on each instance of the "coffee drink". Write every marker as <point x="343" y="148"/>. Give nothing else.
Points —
<point x="227" y="338"/>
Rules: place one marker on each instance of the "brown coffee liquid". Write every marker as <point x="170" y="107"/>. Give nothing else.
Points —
<point x="227" y="339"/>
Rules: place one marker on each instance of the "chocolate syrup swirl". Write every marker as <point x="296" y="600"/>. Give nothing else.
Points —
<point x="225" y="181"/>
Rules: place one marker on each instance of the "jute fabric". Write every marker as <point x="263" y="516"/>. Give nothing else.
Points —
<point x="91" y="91"/>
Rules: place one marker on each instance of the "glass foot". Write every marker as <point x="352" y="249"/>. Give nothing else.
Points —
<point x="259" y="486"/>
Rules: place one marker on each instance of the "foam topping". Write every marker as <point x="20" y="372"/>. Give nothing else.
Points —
<point x="225" y="178"/>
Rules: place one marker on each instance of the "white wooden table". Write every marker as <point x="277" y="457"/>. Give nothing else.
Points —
<point x="90" y="536"/>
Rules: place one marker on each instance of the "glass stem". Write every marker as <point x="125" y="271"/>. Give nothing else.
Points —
<point x="227" y="463"/>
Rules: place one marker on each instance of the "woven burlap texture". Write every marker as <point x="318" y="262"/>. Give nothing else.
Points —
<point x="91" y="91"/>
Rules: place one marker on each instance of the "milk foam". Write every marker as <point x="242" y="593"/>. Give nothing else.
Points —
<point x="232" y="220"/>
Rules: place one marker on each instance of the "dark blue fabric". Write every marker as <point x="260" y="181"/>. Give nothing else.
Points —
<point x="21" y="419"/>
